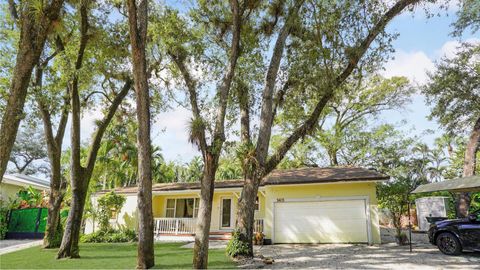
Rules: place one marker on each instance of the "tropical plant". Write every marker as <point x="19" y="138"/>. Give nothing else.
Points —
<point x="3" y="220"/>
<point x="109" y="205"/>
<point x="236" y="246"/>
<point x="30" y="197"/>
<point x="110" y="236"/>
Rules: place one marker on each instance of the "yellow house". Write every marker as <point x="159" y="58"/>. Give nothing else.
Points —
<point x="307" y="205"/>
<point x="13" y="183"/>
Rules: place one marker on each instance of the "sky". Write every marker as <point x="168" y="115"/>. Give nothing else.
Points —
<point x="422" y="41"/>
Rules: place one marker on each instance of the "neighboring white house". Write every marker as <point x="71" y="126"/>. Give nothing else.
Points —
<point x="12" y="183"/>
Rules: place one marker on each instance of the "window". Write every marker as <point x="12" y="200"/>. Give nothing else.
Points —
<point x="195" y="211"/>
<point x="113" y="214"/>
<point x="257" y="204"/>
<point x="182" y="207"/>
<point x="170" y="208"/>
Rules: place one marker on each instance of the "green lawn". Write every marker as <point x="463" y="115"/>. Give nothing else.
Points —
<point x="117" y="256"/>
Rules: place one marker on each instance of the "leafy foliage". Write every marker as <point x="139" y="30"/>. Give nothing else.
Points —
<point x="28" y="198"/>
<point x="3" y="220"/>
<point x="454" y="90"/>
<point x="468" y="17"/>
<point x="109" y="204"/>
<point x="235" y="246"/>
<point x="110" y="236"/>
<point x="29" y="152"/>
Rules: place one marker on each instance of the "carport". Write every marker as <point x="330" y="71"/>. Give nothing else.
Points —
<point x="463" y="184"/>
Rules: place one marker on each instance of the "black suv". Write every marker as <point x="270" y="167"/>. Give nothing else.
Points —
<point x="456" y="235"/>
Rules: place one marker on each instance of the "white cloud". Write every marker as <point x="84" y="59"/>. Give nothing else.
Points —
<point x="413" y="65"/>
<point x="450" y="48"/>
<point x="169" y="132"/>
<point x="88" y="123"/>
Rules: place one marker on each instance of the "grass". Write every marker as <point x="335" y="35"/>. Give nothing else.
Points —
<point x="110" y="256"/>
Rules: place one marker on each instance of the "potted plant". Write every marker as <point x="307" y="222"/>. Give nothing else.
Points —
<point x="401" y="239"/>
<point x="258" y="238"/>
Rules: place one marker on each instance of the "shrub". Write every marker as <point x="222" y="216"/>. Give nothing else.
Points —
<point x="57" y="238"/>
<point x="30" y="198"/>
<point x="236" y="246"/>
<point x="110" y="236"/>
<point x="3" y="220"/>
<point x="109" y="205"/>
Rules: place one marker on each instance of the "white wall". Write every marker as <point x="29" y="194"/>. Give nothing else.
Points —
<point x="127" y="216"/>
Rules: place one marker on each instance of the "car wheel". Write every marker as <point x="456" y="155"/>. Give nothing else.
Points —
<point x="448" y="244"/>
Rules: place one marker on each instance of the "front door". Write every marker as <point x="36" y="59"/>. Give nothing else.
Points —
<point x="226" y="213"/>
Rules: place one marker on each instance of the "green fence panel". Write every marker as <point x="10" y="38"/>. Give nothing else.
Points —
<point x="23" y="220"/>
<point x="43" y="220"/>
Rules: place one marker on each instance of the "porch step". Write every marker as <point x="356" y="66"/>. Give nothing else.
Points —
<point x="220" y="236"/>
<point x="190" y="237"/>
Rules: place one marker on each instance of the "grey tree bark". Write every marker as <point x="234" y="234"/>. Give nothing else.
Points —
<point x="210" y="150"/>
<point x="463" y="199"/>
<point x="80" y="175"/>
<point x="265" y="164"/>
<point x="53" y="230"/>
<point x="33" y="35"/>
<point x="137" y="19"/>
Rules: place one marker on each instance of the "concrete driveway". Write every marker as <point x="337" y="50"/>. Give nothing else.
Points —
<point x="349" y="256"/>
<point x="388" y="256"/>
<point x="7" y="246"/>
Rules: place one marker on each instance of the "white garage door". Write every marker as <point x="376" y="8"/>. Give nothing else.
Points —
<point x="342" y="221"/>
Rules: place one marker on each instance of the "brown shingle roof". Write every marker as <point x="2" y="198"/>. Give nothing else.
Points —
<point x="281" y="177"/>
<point x="328" y="174"/>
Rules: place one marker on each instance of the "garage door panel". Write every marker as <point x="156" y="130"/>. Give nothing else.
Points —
<point x="321" y="222"/>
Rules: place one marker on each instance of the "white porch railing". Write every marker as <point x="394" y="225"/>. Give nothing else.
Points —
<point x="187" y="226"/>
<point x="175" y="225"/>
<point x="258" y="225"/>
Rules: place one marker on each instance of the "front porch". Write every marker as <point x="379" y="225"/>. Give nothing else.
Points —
<point x="183" y="229"/>
<point x="175" y="215"/>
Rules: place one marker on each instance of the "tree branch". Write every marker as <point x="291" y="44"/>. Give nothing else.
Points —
<point x="243" y="101"/>
<point x="280" y="98"/>
<point x="63" y="120"/>
<point x="192" y="93"/>
<point x="97" y="92"/>
<point x="225" y="85"/>
<point x="309" y="125"/>
<point x="75" y="99"/>
<point x="12" y="7"/>
<point x="97" y="139"/>
<point x="266" y="116"/>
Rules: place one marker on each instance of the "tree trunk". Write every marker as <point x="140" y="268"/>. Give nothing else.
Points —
<point x="69" y="246"/>
<point x="265" y="164"/>
<point x="71" y="236"/>
<point x="53" y="231"/>
<point x="80" y="176"/>
<point x="137" y="20"/>
<point x="463" y="199"/>
<point x="333" y="157"/>
<point x="202" y="231"/>
<point x="246" y="212"/>
<point x="33" y="34"/>
<point x="471" y="151"/>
